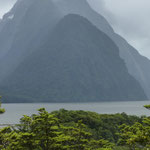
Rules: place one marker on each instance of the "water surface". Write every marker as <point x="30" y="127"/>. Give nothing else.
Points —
<point x="17" y="110"/>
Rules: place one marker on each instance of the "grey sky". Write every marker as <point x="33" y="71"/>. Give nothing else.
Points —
<point x="5" y="5"/>
<point x="129" y="18"/>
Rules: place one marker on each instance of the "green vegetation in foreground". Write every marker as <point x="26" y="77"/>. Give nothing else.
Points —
<point x="2" y="110"/>
<point x="77" y="130"/>
<point x="147" y="106"/>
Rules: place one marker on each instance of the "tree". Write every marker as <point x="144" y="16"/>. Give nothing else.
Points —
<point x="43" y="131"/>
<point x="137" y="136"/>
<point x="2" y="110"/>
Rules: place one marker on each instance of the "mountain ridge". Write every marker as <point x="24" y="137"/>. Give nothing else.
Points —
<point x="137" y="66"/>
<point x="19" y="39"/>
<point x="78" y="63"/>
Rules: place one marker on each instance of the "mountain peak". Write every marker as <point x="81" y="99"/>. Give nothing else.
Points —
<point x="77" y="62"/>
<point x="74" y="19"/>
<point x="57" y="50"/>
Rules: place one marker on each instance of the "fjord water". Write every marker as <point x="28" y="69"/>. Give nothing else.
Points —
<point x="15" y="111"/>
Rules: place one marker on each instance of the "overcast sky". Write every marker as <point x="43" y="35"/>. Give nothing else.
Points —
<point x="5" y="5"/>
<point x="129" y="18"/>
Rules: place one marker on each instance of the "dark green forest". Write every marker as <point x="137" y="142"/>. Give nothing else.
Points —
<point x="77" y="130"/>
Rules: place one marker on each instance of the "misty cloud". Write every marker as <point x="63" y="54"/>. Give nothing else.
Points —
<point x="5" y="6"/>
<point x="129" y="18"/>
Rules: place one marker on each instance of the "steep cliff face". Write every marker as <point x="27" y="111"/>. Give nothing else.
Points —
<point x="10" y="25"/>
<point x="138" y="66"/>
<point x="32" y="22"/>
<point x="77" y="62"/>
<point x="82" y="8"/>
<point x="25" y="28"/>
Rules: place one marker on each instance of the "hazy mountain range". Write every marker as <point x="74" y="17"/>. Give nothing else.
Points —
<point x="63" y="51"/>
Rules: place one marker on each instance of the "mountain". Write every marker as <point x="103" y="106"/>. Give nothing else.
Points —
<point x="76" y="63"/>
<point x="23" y="29"/>
<point x="82" y="8"/>
<point x="31" y="22"/>
<point x="138" y="65"/>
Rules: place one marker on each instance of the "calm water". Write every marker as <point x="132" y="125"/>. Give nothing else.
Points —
<point x="16" y="111"/>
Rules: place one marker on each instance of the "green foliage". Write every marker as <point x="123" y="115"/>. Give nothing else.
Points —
<point x="45" y="131"/>
<point x="147" y="106"/>
<point x="136" y="136"/>
<point x="102" y="126"/>
<point x="77" y="130"/>
<point x="2" y="110"/>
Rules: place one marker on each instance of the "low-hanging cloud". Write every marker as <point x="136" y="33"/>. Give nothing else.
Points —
<point x="129" y="18"/>
<point x="5" y="6"/>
